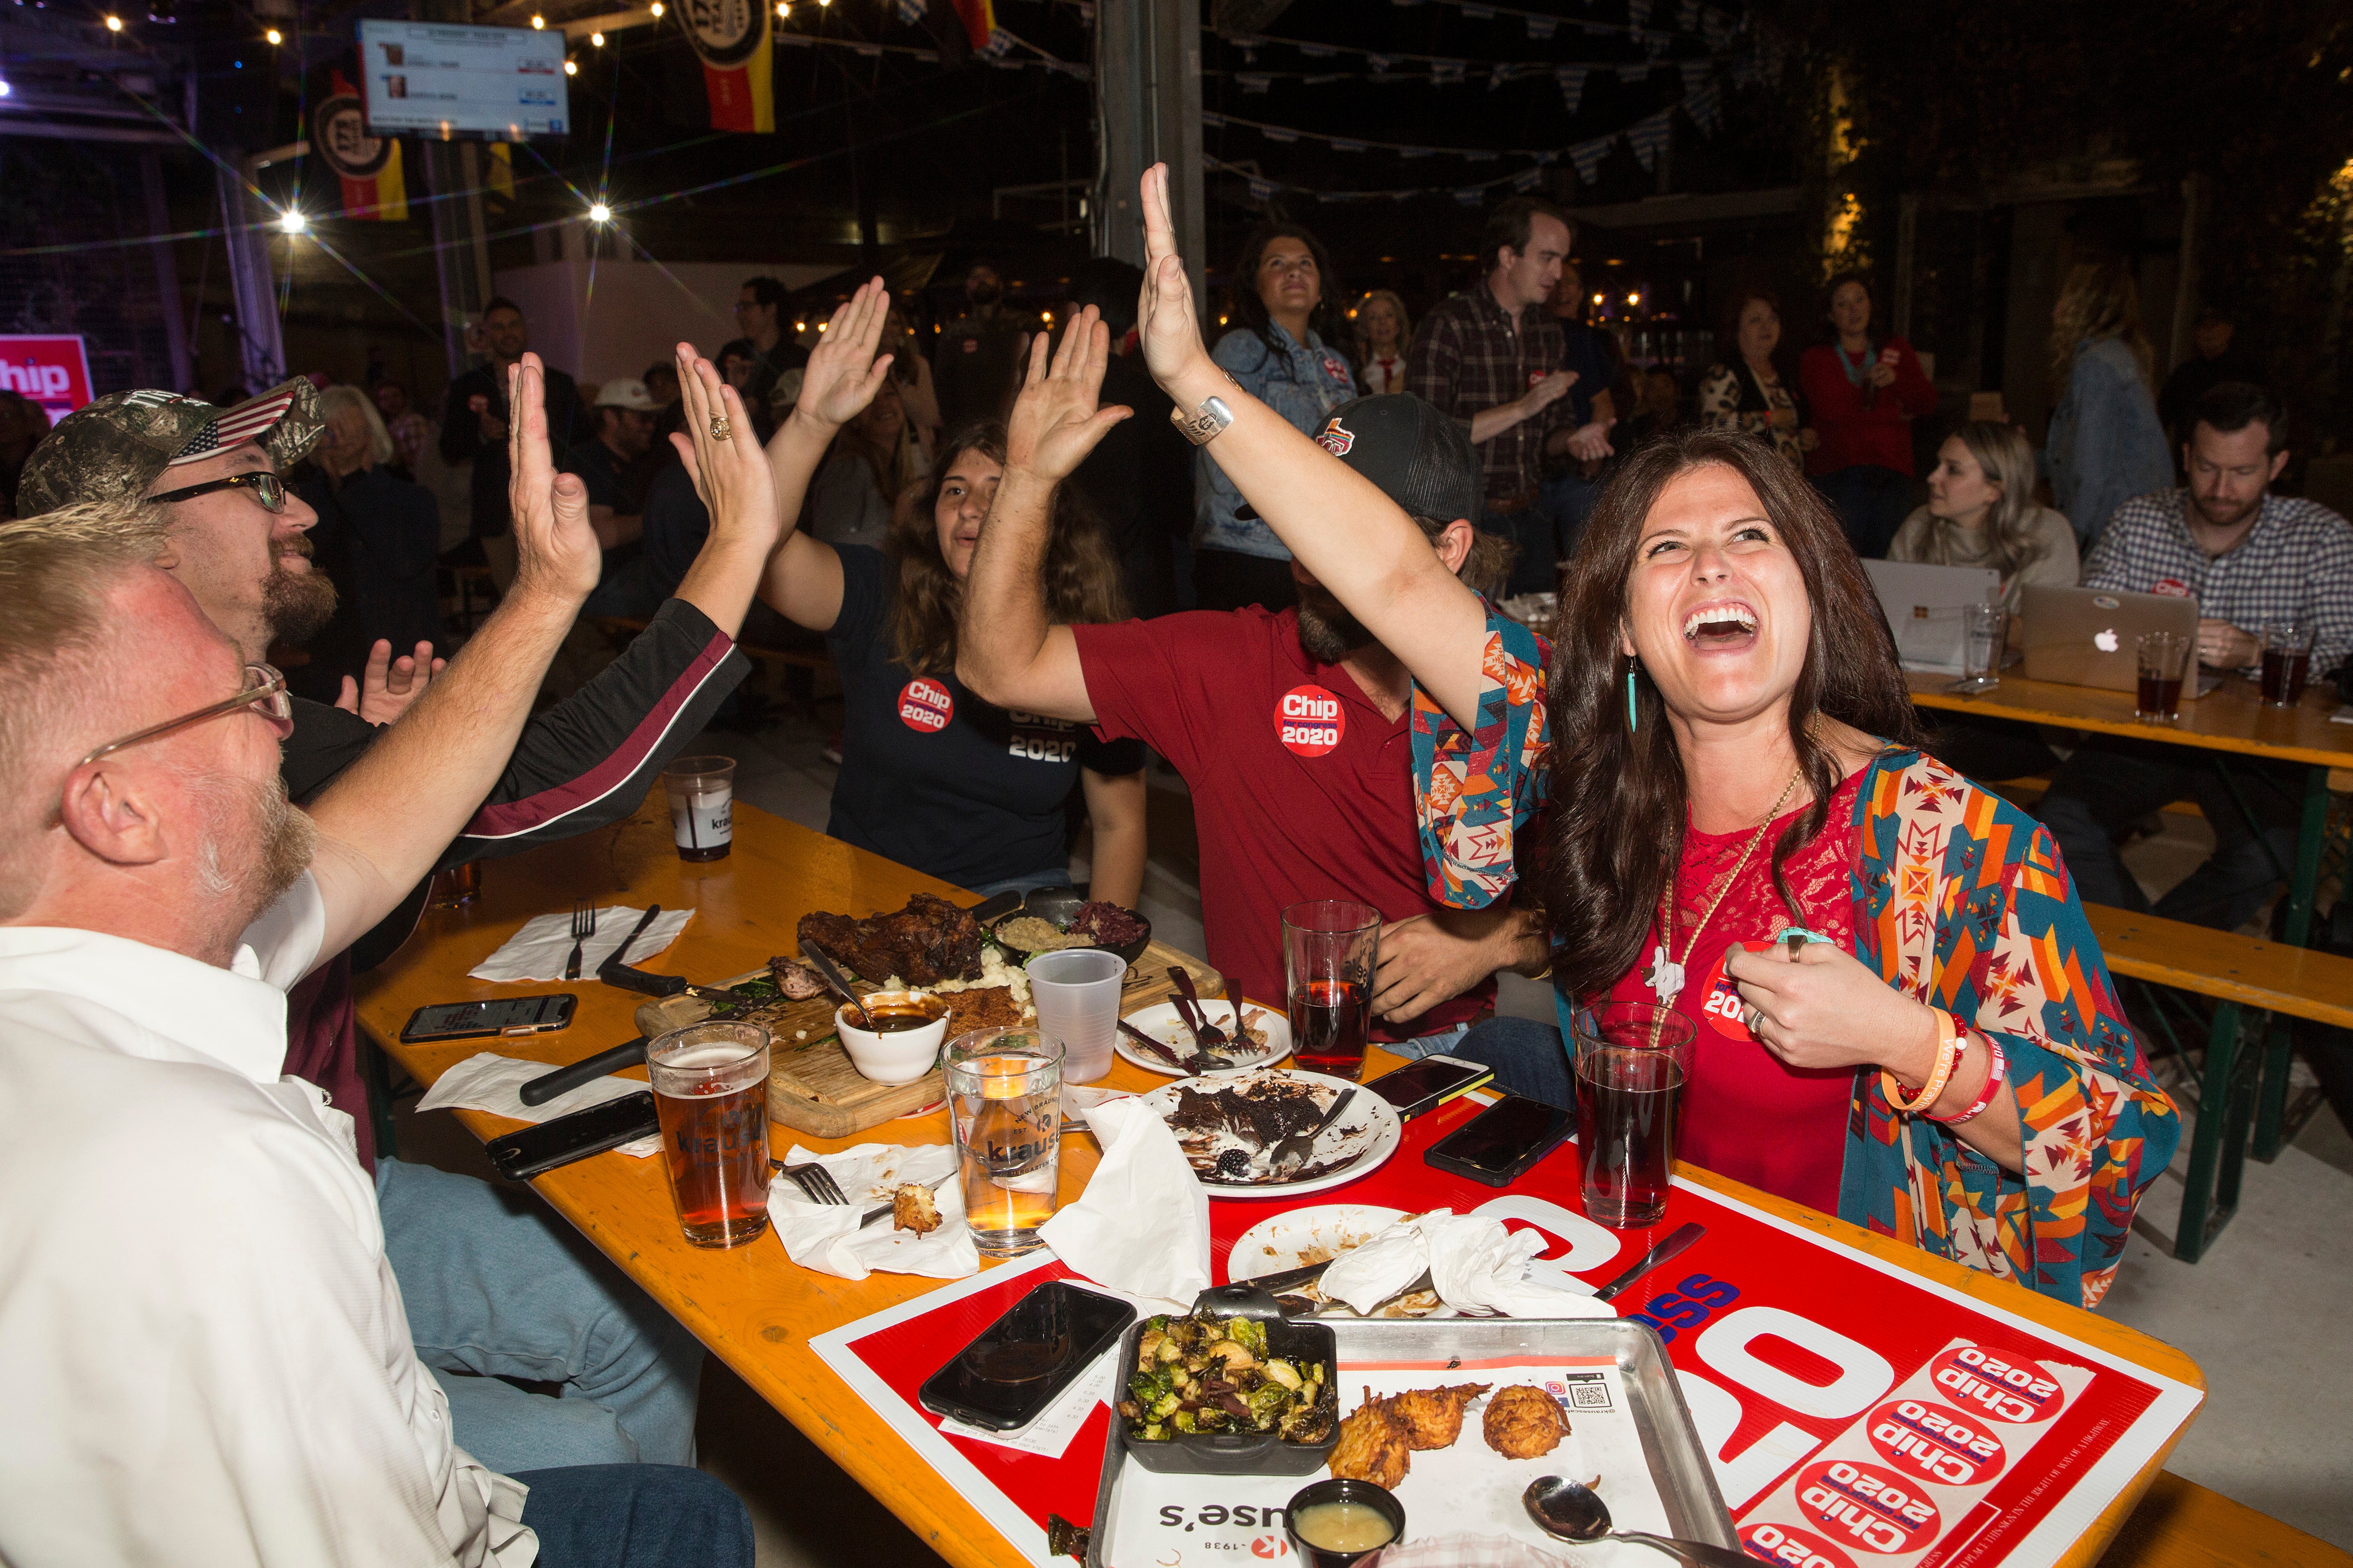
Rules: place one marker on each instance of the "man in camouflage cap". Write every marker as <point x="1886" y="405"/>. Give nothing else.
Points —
<point x="238" y="532"/>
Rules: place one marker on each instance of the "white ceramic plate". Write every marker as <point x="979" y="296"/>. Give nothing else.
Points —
<point x="1298" y="1237"/>
<point x="1367" y="1133"/>
<point x="1160" y="1021"/>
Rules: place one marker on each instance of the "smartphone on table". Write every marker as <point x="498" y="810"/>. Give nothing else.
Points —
<point x="484" y="1020"/>
<point x="1502" y="1141"/>
<point x="1020" y="1363"/>
<point x="519" y="1156"/>
<point x="1427" y="1084"/>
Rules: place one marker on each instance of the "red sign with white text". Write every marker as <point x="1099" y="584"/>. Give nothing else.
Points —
<point x="1855" y="1414"/>
<point x="53" y="371"/>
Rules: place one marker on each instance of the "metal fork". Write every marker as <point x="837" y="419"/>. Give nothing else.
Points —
<point x="817" y="1183"/>
<point x="583" y="926"/>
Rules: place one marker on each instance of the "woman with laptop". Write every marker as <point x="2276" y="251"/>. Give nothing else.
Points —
<point x="1981" y="512"/>
<point x="1903" y="1014"/>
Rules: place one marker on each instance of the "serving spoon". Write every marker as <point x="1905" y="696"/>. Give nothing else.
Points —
<point x="1570" y="1511"/>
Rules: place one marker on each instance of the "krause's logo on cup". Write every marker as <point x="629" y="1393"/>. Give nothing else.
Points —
<point x="1308" y="721"/>
<point x="2006" y="1387"/>
<point x="1935" y="1443"/>
<point x="1878" y="1511"/>
<point x="925" y="705"/>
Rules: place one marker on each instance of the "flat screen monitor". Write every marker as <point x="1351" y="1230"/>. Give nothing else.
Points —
<point x="442" y="80"/>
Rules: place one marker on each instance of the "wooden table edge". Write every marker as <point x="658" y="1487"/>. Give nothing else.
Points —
<point x="1928" y="691"/>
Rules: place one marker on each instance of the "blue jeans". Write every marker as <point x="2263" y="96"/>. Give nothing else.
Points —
<point x="1869" y="502"/>
<point x="635" y="1516"/>
<point x="1528" y="1057"/>
<point x="1440" y="1043"/>
<point x="1568" y="497"/>
<point x="498" y="1287"/>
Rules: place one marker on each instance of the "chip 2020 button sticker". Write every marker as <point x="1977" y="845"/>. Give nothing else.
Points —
<point x="1865" y="1506"/>
<point x="1995" y="1383"/>
<point x="1792" y="1548"/>
<point x="1309" y="721"/>
<point x="1937" y="1443"/>
<point x="925" y="706"/>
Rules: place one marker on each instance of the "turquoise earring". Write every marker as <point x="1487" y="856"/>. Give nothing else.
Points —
<point x="1633" y="717"/>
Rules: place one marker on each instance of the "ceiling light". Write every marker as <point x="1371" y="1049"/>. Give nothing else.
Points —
<point x="275" y="36"/>
<point x="1633" y="299"/>
<point x="599" y="212"/>
<point x="539" y="23"/>
<point x="785" y="9"/>
<point x="114" y="24"/>
<point x="658" y="10"/>
<point x="572" y="68"/>
<point x="292" y="221"/>
<point x="1596" y="299"/>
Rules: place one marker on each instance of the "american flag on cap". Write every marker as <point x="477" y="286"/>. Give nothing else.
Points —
<point x="248" y="421"/>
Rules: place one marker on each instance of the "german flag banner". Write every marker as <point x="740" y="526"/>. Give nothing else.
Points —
<point x="979" y="19"/>
<point x="368" y="165"/>
<point x="730" y="41"/>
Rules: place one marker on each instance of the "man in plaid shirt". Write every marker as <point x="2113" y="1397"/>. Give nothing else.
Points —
<point x="2249" y="558"/>
<point x="1490" y="357"/>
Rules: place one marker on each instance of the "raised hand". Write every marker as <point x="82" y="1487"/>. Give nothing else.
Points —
<point x="390" y="684"/>
<point x="1055" y="421"/>
<point x="731" y="472"/>
<point x="556" y="545"/>
<point x="843" y="374"/>
<point x="1166" y="330"/>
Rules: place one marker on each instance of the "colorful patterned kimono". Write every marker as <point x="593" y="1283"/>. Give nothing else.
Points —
<point x="1961" y="901"/>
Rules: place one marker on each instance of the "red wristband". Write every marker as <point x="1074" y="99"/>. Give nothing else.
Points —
<point x="1997" y="1070"/>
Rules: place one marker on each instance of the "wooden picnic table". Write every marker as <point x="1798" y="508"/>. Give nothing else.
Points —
<point x="756" y="1310"/>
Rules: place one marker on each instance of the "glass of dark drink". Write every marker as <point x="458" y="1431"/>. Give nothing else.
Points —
<point x="2288" y="661"/>
<point x="2164" y="661"/>
<point x="458" y="886"/>
<point x="710" y="1091"/>
<point x="1632" y="1060"/>
<point x="701" y="793"/>
<point x="1330" y="949"/>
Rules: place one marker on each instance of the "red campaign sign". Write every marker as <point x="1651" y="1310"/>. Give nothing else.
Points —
<point x="1783" y="1340"/>
<point x="53" y="371"/>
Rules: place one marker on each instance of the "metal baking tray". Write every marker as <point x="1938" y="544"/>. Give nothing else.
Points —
<point x="1671" y="1446"/>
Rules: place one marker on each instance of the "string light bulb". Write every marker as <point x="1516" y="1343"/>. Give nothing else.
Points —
<point x="292" y="221"/>
<point x="114" y="24"/>
<point x="1633" y="299"/>
<point x="785" y="10"/>
<point x="658" y="10"/>
<point x="597" y="41"/>
<point x="599" y="212"/>
<point x="539" y="23"/>
<point x="1598" y="299"/>
<point x="572" y="68"/>
<point x="274" y="37"/>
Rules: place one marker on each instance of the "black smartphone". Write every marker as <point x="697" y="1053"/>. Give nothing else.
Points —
<point x="1501" y="1141"/>
<point x="1022" y="1363"/>
<point x="519" y="1156"/>
<point x="481" y="1020"/>
<point x="1427" y="1084"/>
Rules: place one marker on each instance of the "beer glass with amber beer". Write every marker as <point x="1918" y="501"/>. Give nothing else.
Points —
<point x="710" y="1091"/>
<point x="1005" y="1097"/>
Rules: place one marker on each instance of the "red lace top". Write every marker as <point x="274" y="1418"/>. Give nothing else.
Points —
<point x="1745" y="1115"/>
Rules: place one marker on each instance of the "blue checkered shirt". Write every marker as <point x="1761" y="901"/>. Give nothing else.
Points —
<point x="2295" y="563"/>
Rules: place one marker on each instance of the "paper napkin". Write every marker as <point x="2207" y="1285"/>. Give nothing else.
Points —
<point x="493" y="1083"/>
<point x="828" y="1237"/>
<point x="538" y="951"/>
<point x="1143" y="1226"/>
<point x="1480" y="1266"/>
<point x="1385" y="1264"/>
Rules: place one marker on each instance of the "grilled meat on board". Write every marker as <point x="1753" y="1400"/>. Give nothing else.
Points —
<point x="929" y="941"/>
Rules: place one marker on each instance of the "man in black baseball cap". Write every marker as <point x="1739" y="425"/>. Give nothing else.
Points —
<point x="1294" y="730"/>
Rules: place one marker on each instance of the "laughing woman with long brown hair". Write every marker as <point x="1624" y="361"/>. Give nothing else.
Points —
<point x="1727" y="741"/>
<point x="931" y="776"/>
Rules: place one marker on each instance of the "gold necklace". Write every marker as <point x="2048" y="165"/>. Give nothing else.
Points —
<point x="1666" y="972"/>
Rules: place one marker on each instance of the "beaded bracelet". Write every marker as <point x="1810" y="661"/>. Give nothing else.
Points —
<point x="1948" y="1052"/>
<point x="1997" y="1070"/>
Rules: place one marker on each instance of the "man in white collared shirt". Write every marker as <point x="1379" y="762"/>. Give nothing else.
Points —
<point x="204" y="1356"/>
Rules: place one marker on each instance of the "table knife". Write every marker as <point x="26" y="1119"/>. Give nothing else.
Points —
<point x="1682" y="1237"/>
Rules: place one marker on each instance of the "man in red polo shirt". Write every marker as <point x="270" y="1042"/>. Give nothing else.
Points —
<point x="1293" y="729"/>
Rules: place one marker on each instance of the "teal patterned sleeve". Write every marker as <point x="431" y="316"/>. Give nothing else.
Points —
<point x="1476" y="791"/>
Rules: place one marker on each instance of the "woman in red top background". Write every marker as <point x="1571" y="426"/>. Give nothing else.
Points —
<point x="1864" y="392"/>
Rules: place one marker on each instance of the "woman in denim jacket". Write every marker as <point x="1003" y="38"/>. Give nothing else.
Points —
<point x="1281" y="352"/>
<point x="2105" y="445"/>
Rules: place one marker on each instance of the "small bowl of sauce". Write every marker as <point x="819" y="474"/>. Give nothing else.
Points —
<point x="1343" y="1523"/>
<point x="904" y="1041"/>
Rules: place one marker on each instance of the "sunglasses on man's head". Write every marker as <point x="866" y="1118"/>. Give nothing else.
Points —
<point x="267" y="488"/>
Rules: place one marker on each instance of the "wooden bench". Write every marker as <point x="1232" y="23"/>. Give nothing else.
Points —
<point x="2239" y="972"/>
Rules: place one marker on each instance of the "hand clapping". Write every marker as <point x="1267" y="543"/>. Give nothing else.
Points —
<point x="1055" y="422"/>
<point x="731" y="473"/>
<point x="843" y="374"/>
<point x="1166" y="330"/>
<point x="555" y="545"/>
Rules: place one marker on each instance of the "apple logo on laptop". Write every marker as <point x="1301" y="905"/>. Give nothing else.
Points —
<point x="2105" y="641"/>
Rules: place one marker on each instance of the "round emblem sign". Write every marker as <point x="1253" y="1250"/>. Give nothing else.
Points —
<point x="1997" y="1384"/>
<point x="1935" y="1443"/>
<point x="1721" y="1001"/>
<point x="925" y="706"/>
<point x="725" y="33"/>
<point x="1792" y="1547"/>
<point x="1309" y="721"/>
<point x="1874" y="1509"/>
<point x="339" y="133"/>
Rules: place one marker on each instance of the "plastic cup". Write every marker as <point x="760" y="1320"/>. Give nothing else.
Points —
<point x="702" y="806"/>
<point x="1076" y="992"/>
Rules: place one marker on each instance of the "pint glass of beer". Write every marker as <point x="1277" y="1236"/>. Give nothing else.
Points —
<point x="710" y="1090"/>
<point x="1632" y="1060"/>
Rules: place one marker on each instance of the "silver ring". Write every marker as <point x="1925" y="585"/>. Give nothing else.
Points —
<point x="721" y="429"/>
<point x="1754" y="1018"/>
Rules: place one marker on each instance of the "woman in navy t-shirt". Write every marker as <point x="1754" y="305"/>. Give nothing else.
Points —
<point x="931" y="776"/>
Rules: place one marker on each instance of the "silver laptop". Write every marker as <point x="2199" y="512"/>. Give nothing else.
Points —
<point x="1924" y="608"/>
<point x="2086" y="637"/>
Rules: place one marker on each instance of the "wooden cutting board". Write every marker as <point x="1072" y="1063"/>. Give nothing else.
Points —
<point x="813" y="1087"/>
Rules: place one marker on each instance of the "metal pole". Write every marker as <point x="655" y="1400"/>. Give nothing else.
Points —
<point x="245" y="230"/>
<point x="1148" y="111"/>
<point x="167" y="273"/>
